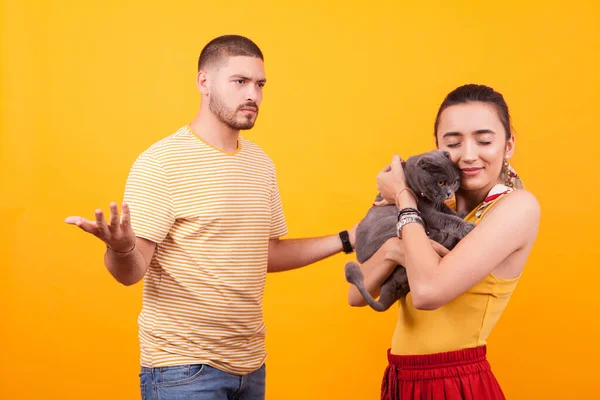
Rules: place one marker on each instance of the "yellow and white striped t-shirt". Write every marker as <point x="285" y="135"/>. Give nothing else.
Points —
<point x="211" y="214"/>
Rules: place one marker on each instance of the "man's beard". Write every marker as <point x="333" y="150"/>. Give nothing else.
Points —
<point x="228" y="116"/>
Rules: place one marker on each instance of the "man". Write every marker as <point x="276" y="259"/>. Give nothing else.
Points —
<point x="202" y="221"/>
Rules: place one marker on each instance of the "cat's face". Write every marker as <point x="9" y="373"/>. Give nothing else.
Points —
<point x="434" y="175"/>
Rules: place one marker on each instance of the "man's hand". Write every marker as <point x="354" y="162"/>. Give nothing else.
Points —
<point x="129" y="258"/>
<point x="117" y="235"/>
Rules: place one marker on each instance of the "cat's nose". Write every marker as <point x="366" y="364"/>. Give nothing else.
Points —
<point x="449" y="195"/>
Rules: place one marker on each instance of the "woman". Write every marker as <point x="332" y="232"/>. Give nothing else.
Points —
<point x="439" y="345"/>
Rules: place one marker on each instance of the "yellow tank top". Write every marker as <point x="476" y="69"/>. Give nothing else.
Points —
<point x="467" y="320"/>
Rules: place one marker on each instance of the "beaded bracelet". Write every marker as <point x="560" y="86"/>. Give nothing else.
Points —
<point x="408" y="210"/>
<point x="410" y="191"/>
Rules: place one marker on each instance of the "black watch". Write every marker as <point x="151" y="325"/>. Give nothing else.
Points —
<point x="346" y="242"/>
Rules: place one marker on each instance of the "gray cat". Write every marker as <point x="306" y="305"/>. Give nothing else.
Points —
<point x="434" y="179"/>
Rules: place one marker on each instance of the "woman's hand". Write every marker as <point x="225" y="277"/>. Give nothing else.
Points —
<point x="390" y="181"/>
<point x="394" y="250"/>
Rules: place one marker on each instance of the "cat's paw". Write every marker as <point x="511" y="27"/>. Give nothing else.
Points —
<point x="466" y="228"/>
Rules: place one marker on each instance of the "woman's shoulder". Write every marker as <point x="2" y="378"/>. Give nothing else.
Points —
<point x="518" y="203"/>
<point x="522" y="198"/>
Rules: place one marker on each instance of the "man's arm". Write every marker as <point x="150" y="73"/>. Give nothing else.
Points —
<point x="288" y="254"/>
<point x="130" y="267"/>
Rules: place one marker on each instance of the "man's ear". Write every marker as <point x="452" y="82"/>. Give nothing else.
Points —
<point x="202" y="83"/>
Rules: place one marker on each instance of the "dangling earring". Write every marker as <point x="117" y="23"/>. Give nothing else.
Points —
<point x="506" y="174"/>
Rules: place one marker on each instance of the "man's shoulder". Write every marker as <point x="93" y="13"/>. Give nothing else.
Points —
<point x="163" y="151"/>
<point x="169" y="144"/>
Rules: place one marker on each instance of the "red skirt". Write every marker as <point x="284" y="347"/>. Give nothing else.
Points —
<point x="455" y="375"/>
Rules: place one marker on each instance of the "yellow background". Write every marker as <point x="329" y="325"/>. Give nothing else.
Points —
<point x="86" y="86"/>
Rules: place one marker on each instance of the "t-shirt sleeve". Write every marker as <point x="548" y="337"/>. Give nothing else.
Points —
<point x="278" y="226"/>
<point x="149" y="198"/>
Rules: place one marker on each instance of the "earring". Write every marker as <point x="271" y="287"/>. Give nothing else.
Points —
<point x="506" y="174"/>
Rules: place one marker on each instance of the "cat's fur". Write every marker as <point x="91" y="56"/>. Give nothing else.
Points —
<point x="424" y="175"/>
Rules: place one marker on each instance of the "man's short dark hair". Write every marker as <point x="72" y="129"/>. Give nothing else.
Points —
<point x="227" y="46"/>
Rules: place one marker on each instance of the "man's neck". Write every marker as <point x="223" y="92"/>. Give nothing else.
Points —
<point x="214" y="132"/>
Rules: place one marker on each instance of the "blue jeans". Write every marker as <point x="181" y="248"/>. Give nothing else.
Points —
<point x="200" y="382"/>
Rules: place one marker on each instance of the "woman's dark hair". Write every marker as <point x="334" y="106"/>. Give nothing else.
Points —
<point x="472" y="93"/>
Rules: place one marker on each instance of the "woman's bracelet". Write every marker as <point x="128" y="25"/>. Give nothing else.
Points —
<point x="408" y="219"/>
<point x="400" y="192"/>
<point x="408" y="211"/>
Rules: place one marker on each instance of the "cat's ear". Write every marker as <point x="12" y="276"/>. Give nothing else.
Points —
<point x="424" y="163"/>
<point x="446" y="154"/>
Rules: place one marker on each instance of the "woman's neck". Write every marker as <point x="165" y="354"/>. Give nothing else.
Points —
<point x="468" y="200"/>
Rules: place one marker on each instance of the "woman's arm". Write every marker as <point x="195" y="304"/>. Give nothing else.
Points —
<point x="377" y="269"/>
<point x="510" y="226"/>
<point x="380" y="266"/>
